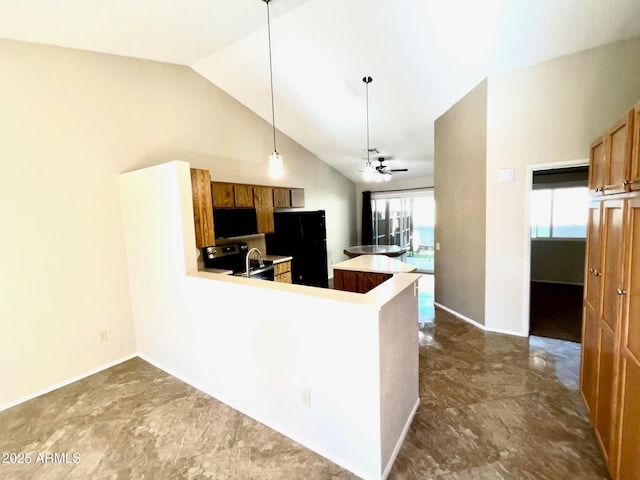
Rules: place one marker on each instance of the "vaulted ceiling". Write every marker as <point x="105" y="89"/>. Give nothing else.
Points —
<point x="423" y="56"/>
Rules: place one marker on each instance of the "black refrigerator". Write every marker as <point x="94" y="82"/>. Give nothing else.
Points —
<point x="303" y="236"/>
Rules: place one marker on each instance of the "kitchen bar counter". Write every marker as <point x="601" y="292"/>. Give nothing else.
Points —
<point x="366" y="272"/>
<point x="374" y="264"/>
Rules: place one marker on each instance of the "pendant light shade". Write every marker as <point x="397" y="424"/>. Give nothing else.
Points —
<point x="276" y="165"/>
<point x="369" y="172"/>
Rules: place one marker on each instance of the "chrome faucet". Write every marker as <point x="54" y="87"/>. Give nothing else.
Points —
<point x="260" y="260"/>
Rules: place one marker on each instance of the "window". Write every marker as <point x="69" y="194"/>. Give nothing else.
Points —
<point x="559" y="212"/>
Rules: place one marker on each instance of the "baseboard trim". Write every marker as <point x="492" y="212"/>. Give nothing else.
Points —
<point x="478" y="325"/>
<point x="66" y="382"/>
<point x="400" y="441"/>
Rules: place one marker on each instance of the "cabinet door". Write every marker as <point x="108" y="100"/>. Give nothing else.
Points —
<point x="589" y="363"/>
<point x="597" y="167"/>
<point x="618" y="154"/>
<point x="345" y="280"/>
<point x="202" y="207"/>
<point x="243" y="196"/>
<point x="263" y="200"/>
<point x="281" y="197"/>
<point x="368" y="281"/>
<point x="635" y="150"/>
<point x="297" y="197"/>
<point x="223" y="196"/>
<point x="593" y="268"/>
<point x="612" y="237"/>
<point x="592" y="310"/>
<point x="628" y="440"/>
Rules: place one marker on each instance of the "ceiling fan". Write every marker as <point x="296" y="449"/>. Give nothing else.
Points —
<point x="383" y="169"/>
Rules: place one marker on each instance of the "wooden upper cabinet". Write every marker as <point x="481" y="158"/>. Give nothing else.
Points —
<point x="597" y="166"/>
<point x="297" y="197"/>
<point x="281" y="197"/>
<point x="618" y="140"/>
<point x="288" y="197"/>
<point x="223" y="195"/>
<point x="202" y="208"/>
<point x="243" y="196"/>
<point x="635" y="150"/>
<point x="263" y="200"/>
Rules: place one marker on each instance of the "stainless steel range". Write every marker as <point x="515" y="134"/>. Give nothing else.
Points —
<point x="234" y="257"/>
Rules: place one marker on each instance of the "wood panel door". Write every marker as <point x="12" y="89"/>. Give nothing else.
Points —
<point x="628" y="440"/>
<point x="597" y="166"/>
<point x="202" y="207"/>
<point x="263" y="200"/>
<point x="243" y="196"/>
<point x="612" y="237"/>
<point x="635" y="150"/>
<point x="223" y="196"/>
<point x="618" y="141"/>
<point x="591" y="311"/>
<point x="281" y="197"/>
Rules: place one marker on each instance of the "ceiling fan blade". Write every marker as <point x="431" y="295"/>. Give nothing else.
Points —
<point x="398" y="170"/>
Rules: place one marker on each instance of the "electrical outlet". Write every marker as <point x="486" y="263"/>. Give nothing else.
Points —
<point x="103" y="336"/>
<point x="305" y="396"/>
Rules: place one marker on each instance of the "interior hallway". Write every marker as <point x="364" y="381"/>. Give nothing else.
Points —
<point x="492" y="407"/>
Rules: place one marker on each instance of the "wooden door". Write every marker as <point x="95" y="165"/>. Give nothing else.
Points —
<point x="628" y="440"/>
<point x="591" y="311"/>
<point x="618" y="154"/>
<point x="223" y="196"/>
<point x="597" y="167"/>
<point x="635" y="150"/>
<point x="297" y="197"/>
<point x="612" y="277"/>
<point x="263" y="200"/>
<point x="243" y="196"/>
<point x="281" y="198"/>
<point x="202" y="208"/>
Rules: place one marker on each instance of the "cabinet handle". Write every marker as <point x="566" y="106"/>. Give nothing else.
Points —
<point x="619" y="291"/>
<point x="591" y="270"/>
<point x="626" y="182"/>
<point x="596" y="273"/>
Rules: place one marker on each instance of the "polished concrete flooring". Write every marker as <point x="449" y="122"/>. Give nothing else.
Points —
<point x="492" y="407"/>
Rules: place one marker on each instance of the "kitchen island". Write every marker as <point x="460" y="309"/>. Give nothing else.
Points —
<point x="365" y="272"/>
<point x="335" y="371"/>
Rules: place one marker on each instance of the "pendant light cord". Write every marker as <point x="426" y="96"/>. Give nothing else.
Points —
<point x="273" y="110"/>
<point x="367" y="81"/>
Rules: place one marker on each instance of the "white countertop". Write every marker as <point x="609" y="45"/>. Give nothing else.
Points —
<point x="276" y="258"/>
<point x="375" y="264"/>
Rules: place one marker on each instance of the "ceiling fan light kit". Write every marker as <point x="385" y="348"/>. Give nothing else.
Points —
<point x="276" y="164"/>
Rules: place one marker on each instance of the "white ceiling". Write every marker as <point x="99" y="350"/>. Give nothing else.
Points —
<point x="423" y="56"/>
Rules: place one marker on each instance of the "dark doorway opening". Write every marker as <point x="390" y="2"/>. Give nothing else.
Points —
<point x="559" y="211"/>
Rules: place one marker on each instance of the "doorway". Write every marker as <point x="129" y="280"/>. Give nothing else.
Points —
<point x="407" y="219"/>
<point x="558" y="213"/>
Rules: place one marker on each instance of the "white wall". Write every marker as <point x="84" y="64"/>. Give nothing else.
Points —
<point x="545" y="114"/>
<point x="72" y="121"/>
<point x="255" y="345"/>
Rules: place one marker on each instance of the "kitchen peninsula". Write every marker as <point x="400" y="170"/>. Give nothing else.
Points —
<point x="336" y="371"/>
<point x="365" y="272"/>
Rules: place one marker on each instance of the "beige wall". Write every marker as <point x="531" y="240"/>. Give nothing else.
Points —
<point x="543" y="115"/>
<point x="72" y="121"/>
<point x="460" y="165"/>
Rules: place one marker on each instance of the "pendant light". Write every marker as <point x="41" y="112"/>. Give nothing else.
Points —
<point x="276" y="166"/>
<point x="368" y="172"/>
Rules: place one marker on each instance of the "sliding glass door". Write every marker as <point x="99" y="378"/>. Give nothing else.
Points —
<point x="406" y="219"/>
